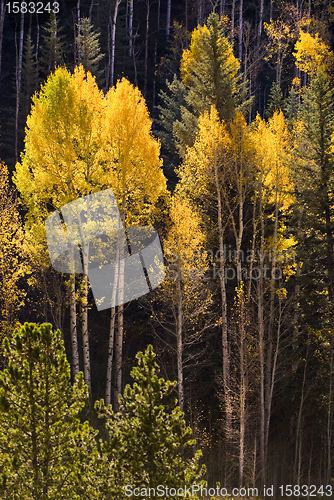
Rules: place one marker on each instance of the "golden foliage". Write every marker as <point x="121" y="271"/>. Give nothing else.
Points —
<point x="13" y="256"/>
<point x="312" y="54"/>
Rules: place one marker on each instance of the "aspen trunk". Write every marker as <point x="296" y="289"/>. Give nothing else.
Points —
<point x="179" y="339"/>
<point x="260" y="315"/>
<point x="85" y="337"/>
<point x="240" y="31"/>
<point x="119" y="333"/>
<point x="146" y="46"/>
<point x="260" y="20"/>
<point x="2" y="19"/>
<point x="169" y="9"/>
<point x="112" y="330"/>
<point x="113" y="43"/>
<point x="226" y="358"/>
<point x="73" y="327"/>
<point x="232" y="21"/>
<point x="130" y="27"/>
<point x="18" y="84"/>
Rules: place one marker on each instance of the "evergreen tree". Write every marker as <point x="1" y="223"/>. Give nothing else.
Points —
<point x="45" y="451"/>
<point x="148" y="434"/>
<point x="275" y="101"/>
<point x="314" y="181"/>
<point x="29" y="72"/>
<point x="210" y="74"/>
<point x="52" y="47"/>
<point x="170" y="113"/>
<point x="291" y="105"/>
<point x="88" y="47"/>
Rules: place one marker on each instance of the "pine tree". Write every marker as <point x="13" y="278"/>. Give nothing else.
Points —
<point x="148" y="434"/>
<point x="88" y="48"/>
<point x="275" y="101"/>
<point x="314" y="182"/>
<point x="210" y="74"/>
<point x="52" y="46"/>
<point x="45" y="451"/>
<point x="29" y="72"/>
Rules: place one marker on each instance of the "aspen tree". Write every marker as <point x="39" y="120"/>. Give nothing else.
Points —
<point x="13" y="256"/>
<point x="132" y="166"/>
<point x="275" y="190"/>
<point x="204" y="180"/>
<point x="59" y="164"/>
<point x="183" y="301"/>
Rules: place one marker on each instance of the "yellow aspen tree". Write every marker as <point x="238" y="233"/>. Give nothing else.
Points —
<point x="204" y="178"/>
<point x="13" y="256"/>
<point x="275" y="194"/>
<point x="184" y="298"/>
<point x="60" y="164"/>
<point x="132" y="166"/>
<point x="313" y="54"/>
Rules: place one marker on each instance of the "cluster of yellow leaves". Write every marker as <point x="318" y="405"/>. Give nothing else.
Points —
<point x="79" y="141"/>
<point x="13" y="256"/>
<point x="273" y="144"/>
<point x="186" y="236"/>
<point x="280" y="35"/>
<point x="212" y="143"/>
<point x="312" y="54"/>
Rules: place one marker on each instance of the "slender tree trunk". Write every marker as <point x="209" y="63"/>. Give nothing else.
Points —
<point x="73" y="327"/>
<point x="85" y="337"/>
<point x="130" y="27"/>
<point x="110" y="355"/>
<point x="240" y="32"/>
<point x="260" y="313"/>
<point x="146" y="46"/>
<point x="2" y="19"/>
<point x="118" y="355"/>
<point x="169" y="9"/>
<point x="232" y="21"/>
<point x="298" y="448"/>
<point x="330" y="420"/>
<point x="120" y="331"/>
<point x="179" y="342"/>
<point x="260" y="20"/>
<point x="226" y="357"/>
<point x="113" y="43"/>
<point x="112" y="329"/>
<point x="18" y="85"/>
<point x="243" y="387"/>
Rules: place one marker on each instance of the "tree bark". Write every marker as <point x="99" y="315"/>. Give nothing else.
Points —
<point x="18" y="85"/>
<point x="146" y="46"/>
<point x="2" y="19"/>
<point x="110" y="355"/>
<point x="73" y="327"/>
<point x="169" y="9"/>
<point x="179" y="347"/>
<point x="240" y="32"/>
<point x="113" y="43"/>
<point x="130" y="27"/>
<point x="84" y="305"/>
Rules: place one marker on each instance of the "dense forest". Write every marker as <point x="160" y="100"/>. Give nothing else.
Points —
<point x="213" y="125"/>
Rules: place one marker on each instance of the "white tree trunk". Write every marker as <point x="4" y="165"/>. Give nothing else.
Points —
<point x="85" y="337"/>
<point x="18" y="84"/>
<point x="113" y="43"/>
<point x="73" y="327"/>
